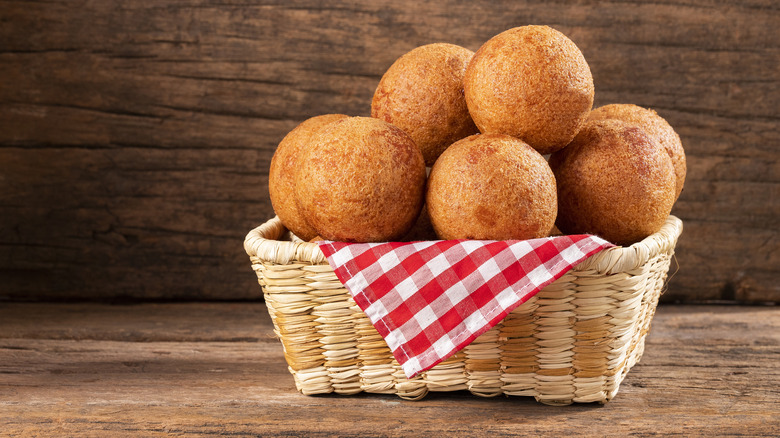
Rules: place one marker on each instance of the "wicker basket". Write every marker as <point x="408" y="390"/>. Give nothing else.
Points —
<point x="572" y="342"/>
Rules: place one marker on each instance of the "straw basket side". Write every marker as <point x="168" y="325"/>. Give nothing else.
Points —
<point x="572" y="342"/>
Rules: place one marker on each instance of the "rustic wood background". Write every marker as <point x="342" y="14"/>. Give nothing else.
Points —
<point x="135" y="136"/>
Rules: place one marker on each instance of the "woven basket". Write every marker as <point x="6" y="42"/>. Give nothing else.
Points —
<point x="572" y="342"/>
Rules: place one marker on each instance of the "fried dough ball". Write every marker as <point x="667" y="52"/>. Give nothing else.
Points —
<point x="656" y="127"/>
<point x="422" y="93"/>
<point x="281" y="176"/>
<point x="422" y="228"/>
<point x="362" y="180"/>
<point x="491" y="187"/>
<point x="613" y="181"/>
<point x="530" y="82"/>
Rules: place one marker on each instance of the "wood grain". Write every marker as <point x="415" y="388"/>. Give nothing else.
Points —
<point x="135" y="136"/>
<point x="215" y="370"/>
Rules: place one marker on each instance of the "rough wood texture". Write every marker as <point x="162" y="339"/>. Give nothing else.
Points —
<point x="135" y="136"/>
<point x="215" y="369"/>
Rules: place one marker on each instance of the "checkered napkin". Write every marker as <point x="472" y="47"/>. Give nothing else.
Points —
<point x="430" y="299"/>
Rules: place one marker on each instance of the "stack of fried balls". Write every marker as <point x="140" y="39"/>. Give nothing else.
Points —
<point x="501" y="144"/>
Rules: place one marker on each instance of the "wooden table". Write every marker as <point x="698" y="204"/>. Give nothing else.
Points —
<point x="216" y="369"/>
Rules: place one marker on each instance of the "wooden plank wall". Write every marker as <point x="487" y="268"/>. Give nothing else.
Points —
<point x="135" y="136"/>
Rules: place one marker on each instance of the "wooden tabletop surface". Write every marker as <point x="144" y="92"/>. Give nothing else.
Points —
<point x="214" y="369"/>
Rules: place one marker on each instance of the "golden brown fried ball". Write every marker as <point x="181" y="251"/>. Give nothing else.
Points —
<point x="422" y="93"/>
<point x="422" y="228"/>
<point x="491" y="187"/>
<point x="613" y="181"/>
<point x="284" y="164"/>
<point x="363" y="180"/>
<point x="656" y="127"/>
<point x="530" y="82"/>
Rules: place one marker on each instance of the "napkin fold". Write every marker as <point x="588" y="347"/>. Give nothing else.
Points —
<point x="430" y="299"/>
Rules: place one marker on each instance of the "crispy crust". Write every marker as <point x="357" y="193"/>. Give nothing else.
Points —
<point x="422" y="228"/>
<point x="363" y="180"/>
<point x="281" y="176"/>
<point x="422" y="93"/>
<point x="656" y="127"/>
<point x="491" y="186"/>
<point x="613" y="181"/>
<point x="531" y="82"/>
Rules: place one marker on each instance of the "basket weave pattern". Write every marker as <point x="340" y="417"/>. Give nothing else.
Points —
<point x="572" y="342"/>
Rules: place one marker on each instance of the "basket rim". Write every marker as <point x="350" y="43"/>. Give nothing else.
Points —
<point x="272" y="242"/>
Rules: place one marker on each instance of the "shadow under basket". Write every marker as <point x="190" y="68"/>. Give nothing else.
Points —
<point x="573" y="342"/>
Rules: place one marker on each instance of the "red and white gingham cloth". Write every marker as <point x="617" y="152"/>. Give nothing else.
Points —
<point x="430" y="299"/>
